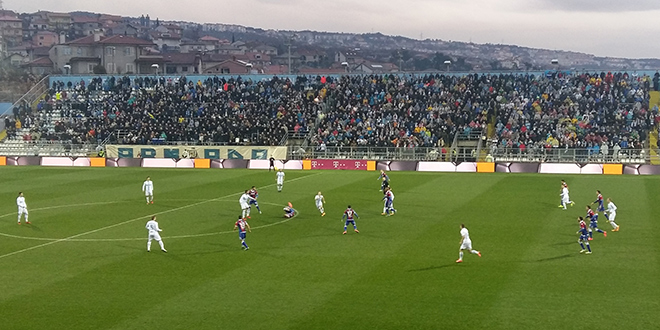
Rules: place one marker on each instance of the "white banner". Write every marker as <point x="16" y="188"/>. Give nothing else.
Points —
<point x="206" y="152"/>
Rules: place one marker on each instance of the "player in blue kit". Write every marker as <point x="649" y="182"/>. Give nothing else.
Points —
<point x="388" y="209"/>
<point x="242" y="227"/>
<point x="593" y="223"/>
<point x="386" y="180"/>
<point x="584" y="236"/>
<point x="350" y="216"/>
<point x="599" y="200"/>
<point x="254" y="194"/>
<point x="289" y="211"/>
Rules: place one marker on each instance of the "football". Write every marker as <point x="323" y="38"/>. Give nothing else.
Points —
<point x="276" y="169"/>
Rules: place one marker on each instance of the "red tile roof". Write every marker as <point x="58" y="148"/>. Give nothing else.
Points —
<point x="10" y="19"/>
<point x="42" y="61"/>
<point x="209" y="38"/>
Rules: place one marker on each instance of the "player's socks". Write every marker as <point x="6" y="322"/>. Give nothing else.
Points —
<point x="474" y="252"/>
<point x="589" y="247"/>
<point x="460" y="255"/>
<point x="345" y="227"/>
<point x="244" y="245"/>
<point x="149" y="246"/>
<point x="607" y="217"/>
<point x="591" y="233"/>
<point x="582" y="246"/>
<point x="147" y="200"/>
<point x="162" y="246"/>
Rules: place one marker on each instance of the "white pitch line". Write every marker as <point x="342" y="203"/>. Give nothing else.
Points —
<point x="134" y="219"/>
<point x="142" y="238"/>
<point x="179" y="236"/>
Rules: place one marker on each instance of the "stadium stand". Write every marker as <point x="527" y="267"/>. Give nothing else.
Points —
<point x="520" y="114"/>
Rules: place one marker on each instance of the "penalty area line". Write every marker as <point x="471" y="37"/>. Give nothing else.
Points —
<point x="135" y="219"/>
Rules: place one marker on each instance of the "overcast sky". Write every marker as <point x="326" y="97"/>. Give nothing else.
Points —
<point x="619" y="28"/>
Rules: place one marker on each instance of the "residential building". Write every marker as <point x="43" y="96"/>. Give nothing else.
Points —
<point x="166" y="41"/>
<point x="11" y="29"/>
<point x="265" y="49"/>
<point x="114" y="29"/>
<point x="229" y="67"/>
<point x="190" y="46"/>
<point x="368" y="67"/>
<point x="41" y="66"/>
<point x="45" y="39"/>
<point x="110" y="19"/>
<point x="116" y="54"/>
<point x="59" y="21"/>
<point x="85" y="25"/>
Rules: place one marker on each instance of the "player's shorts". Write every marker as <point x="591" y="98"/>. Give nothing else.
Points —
<point x="348" y="222"/>
<point x="22" y="210"/>
<point x="252" y="202"/>
<point x="388" y="203"/>
<point x="466" y="245"/>
<point x="583" y="239"/>
<point x="245" y="206"/>
<point x="611" y="216"/>
<point x="319" y="205"/>
<point x="280" y="181"/>
<point x="565" y="199"/>
<point x="593" y="224"/>
<point x="601" y="208"/>
<point x="154" y="235"/>
<point x="148" y="192"/>
<point x="241" y="235"/>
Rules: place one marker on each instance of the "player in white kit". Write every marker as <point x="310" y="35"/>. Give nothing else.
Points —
<point x="244" y="201"/>
<point x="466" y="244"/>
<point x="611" y="214"/>
<point x="148" y="189"/>
<point x="320" y="200"/>
<point x="280" y="180"/>
<point x="154" y="233"/>
<point x="565" y="200"/>
<point x="22" y="208"/>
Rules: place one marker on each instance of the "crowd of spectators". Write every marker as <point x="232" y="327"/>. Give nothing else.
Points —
<point x="521" y="111"/>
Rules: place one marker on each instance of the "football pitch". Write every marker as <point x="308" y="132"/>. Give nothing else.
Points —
<point x="82" y="263"/>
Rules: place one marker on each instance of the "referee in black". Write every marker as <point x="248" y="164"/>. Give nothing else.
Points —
<point x="272" y="164"/>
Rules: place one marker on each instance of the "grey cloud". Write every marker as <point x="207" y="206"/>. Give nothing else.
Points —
<point x="596" y="5"/>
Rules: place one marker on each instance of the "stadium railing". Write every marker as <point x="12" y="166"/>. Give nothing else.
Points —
<point x="553" y="155"/>
<point x="371" y="153"/>
<point x="46" y="148"/>
<point x="572" y="155"/>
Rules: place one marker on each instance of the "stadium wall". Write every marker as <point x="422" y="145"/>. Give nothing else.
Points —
<point x="338" y="164"/>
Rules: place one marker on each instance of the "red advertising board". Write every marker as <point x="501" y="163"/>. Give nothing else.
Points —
<point x="339" y="164"/>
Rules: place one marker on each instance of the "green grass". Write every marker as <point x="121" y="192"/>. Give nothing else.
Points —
<point x="84" y="266"/>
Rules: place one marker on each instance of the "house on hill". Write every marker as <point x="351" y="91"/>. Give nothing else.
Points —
<point x="115" y="54"/>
